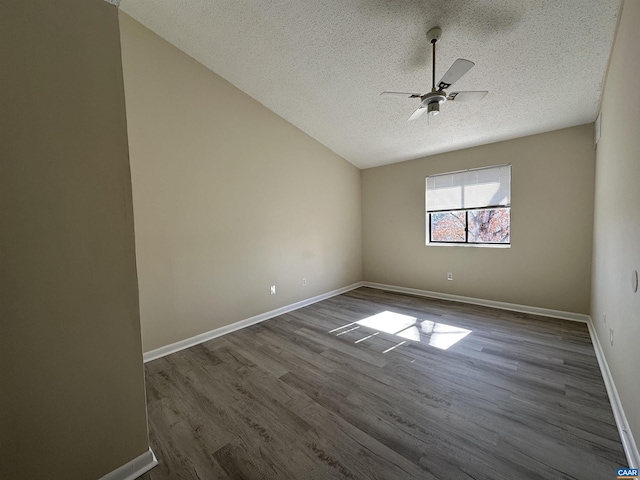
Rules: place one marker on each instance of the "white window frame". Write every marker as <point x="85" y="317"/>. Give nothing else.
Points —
<point x="465" y="191"/>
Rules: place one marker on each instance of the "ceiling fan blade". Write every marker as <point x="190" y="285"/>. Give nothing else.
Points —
<point x="403" y="94"/>
<point x="466" y="96"/>
<point x="455" y="72"/>
<point x="417" y="114"/>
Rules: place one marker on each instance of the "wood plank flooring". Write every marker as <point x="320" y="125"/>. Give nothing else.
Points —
<point x="314" y="394"/>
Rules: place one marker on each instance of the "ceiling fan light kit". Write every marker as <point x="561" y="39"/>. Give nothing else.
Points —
<point x="431" y="101"/>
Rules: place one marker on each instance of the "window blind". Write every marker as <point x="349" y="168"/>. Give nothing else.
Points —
<point x="476" y="188"/>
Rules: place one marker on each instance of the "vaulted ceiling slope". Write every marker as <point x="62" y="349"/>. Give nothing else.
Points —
<point x="322" y="64"/>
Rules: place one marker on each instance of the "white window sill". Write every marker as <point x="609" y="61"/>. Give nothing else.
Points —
<point x="476" y="245"/>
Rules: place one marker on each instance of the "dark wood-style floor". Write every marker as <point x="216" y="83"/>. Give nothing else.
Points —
<point x="303" y="396"/>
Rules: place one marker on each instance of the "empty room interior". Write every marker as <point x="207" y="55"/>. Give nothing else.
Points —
<point x="319" y="240"/>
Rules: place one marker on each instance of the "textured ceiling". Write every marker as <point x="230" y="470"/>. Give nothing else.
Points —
<point x="322" y="64"/>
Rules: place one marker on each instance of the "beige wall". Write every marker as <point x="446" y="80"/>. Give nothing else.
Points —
<point x="548" y="264"/>
<point x="228" y="198"/>
<point x="72" y="395"/>
<point x="616" y="250"/>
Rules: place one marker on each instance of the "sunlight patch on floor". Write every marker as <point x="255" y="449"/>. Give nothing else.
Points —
<point x="435" y="334"/>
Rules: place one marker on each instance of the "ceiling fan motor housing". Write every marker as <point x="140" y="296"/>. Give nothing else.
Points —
<point x="432" y="102"/>
<point x="437" y="97"/>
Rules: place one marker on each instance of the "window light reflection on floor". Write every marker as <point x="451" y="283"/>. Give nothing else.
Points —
<point x="436" y="334"/>
<point x="388" y="322"/>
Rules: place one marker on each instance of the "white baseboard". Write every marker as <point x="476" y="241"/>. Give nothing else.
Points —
<point x="203" y="337"/>
<point x="133" y="469"/>
<point x="514" y="307"/>
<point x="628" y="442"/>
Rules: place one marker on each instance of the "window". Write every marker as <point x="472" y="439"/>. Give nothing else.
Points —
<point x="469" y="207"/>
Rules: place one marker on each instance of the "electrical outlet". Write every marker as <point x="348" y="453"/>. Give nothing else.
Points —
<point x="611" y="336"/>
<point x="273" y="289"/>
<point x="449" y="276"/>
<point x="304" y="282"/>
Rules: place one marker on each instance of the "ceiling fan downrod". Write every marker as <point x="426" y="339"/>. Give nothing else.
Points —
<point x="433" y="67"/>
<point x="433" y="102"/>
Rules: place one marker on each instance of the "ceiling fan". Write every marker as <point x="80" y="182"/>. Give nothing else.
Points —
<point x="430" y="102"/>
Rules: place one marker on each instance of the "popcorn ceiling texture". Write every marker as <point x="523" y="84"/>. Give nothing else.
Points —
<point x="322" y="64"/>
